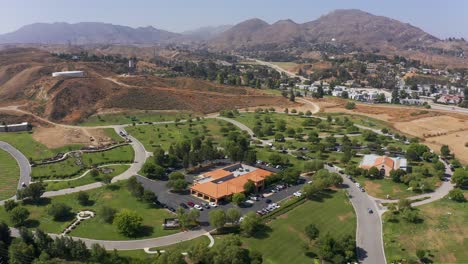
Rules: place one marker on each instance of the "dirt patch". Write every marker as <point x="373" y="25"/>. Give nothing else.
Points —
<point x="345" y="217"/>
<point x="283" y="216"/>
<point x="373" y="188"/>
<point x="56" y="137"/>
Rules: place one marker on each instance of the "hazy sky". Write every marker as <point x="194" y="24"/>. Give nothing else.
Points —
<point x="442" y="18"/>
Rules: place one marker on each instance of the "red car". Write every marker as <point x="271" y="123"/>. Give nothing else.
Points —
<point x="191" y="204"/>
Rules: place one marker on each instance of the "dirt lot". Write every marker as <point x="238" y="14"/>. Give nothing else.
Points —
<point x="436" y="128"/>
<point x="56" y="137"/>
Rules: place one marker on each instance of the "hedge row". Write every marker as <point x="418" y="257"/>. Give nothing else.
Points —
<point x="284" y="208"/>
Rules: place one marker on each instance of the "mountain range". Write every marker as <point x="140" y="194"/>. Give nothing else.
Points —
<point x="349" y="27"/>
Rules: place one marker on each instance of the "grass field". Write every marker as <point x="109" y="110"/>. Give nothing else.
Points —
<point x="110" y="132"/>
<point x="380" y="188"/>
<point x="129" y="118"/>
<point x="164" y="135"/>
<point x="182" y="246"/>
<point x="287" y="243"/>
<point x="115" y="196"/>
<point x="288" y="66"/>
<point x="32" y="149"/>
<point x="443" y="233"/>
<point x="53" y="186"/>
<point x="69" y="167"/>
<point x="9" y="175"/>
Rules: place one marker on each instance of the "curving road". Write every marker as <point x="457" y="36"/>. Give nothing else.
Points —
<point x="23" y="163"/>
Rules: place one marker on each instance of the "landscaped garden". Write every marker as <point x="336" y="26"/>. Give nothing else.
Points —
<point x="114" y="170"/>
<point x="9" y="175"/>
<point x="440" y="236"/>
<point x="79" y="163"/>
<point x="116" y="197"/>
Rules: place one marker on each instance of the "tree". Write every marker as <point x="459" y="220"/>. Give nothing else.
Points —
<point x="198" y="252"/>
<point x="5" y="233"/>
<point x="445" y="151"/>
<point x="150" y="197"/>
<point x="279" y="137"/>
<point x="94" y="173"/>
<point x="313" y="165"/>
<point x="34" y="192"/>
<point x="421" y="254"/>
<point x="9" y="205"/>
<point x="460" y="177"/>
<point x="250" y="224"/>
<point x="350" y="105"/>
<point x="153" y="171"/>
<point x="107" y="214"/>
<point x="249" y="187"/>
<point x="374" y="172"/>
<point x="233" y="215"/>
<point x="457" y="195"/>
<point x="290" y="175"/>
<point x="99" y="254"/>
<point x="177" y="181"/>
<point x="238" y="198"/>
<point x="410" y="215"/>
<point x="193" y="216"/>
<point x="311" y="232"/>
<point x="404" y="204"/>
<point x="83" y="198"/>
<point x="21" y="253"/>
<point x="107" y="179"/>
<point x="135" y="188"/>
<point x="19" y="215"/>
<point x="59" y="211"/>
<point x="128" y="223"/>
<point x="217" y="218"/>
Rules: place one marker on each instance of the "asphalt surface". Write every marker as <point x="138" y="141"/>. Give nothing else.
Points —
<point x="369" y="226"/>
<point x="23" y="163"/>
<point x="173" y="200"/>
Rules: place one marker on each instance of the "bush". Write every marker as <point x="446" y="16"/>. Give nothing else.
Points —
<point x="9" y="205"/>
<point x="457" y="195"/>
<point x="350" y="105"/>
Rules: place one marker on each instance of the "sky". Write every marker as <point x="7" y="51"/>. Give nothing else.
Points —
<point x="448" y="18"/>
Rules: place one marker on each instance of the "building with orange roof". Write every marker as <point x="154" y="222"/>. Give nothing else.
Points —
<point x="383" y="163"/>
<point x="219" y="184"/>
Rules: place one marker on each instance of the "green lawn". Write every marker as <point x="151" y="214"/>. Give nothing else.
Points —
<point x="9" y="175"/>
<point x="286" y="242"/>
<point x="32" y="149"/>
<point x="129" y="118"/>
<point x="115" y="196"/>
<point x="379" y="188"/>
<point x="70" y="167"/>
<point x="110" y="132"/>
<point x="182" y="246"/>
<point x="164" y="135"/>
<point x="53" y="186"/>
<point x="443" y="232"/>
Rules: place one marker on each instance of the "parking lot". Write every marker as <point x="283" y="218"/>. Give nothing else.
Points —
<point x="173" y="200"/>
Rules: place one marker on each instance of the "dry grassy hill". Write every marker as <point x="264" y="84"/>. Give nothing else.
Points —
<point x="25" y="78"/>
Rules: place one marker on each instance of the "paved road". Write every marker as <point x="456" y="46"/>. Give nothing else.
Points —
<point x="369" y="226"/>
<point x="23" y="163"/>
<point x="279" y="69"/>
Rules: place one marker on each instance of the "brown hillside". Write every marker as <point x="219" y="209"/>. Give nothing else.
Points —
<point x="25" y="76"/>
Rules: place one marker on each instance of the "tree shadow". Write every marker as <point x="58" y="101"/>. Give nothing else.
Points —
<point x="144" y="231"/>
<point x="41" y="202"/>
<point x="113" y="187"/>
<point x="311" y="254"/>
<point x="31" y="223"/>
<point x="361" y="253"/>
<point x="263" y="232"/>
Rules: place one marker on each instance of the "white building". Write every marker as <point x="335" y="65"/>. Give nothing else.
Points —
<point x="68" y="74"/>
<point x="15" y="127"/>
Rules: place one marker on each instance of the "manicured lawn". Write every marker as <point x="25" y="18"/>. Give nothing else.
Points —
<point x="182" y="246"/>
<point x="286" y="241"/>
<point x="110" y="132"/>
<point x="53" y="186"/>
<point x="115" y="196"/>
<point x="9" y="175"/>
<point x="32" y="149"/>
<point x="164" y="135"/>
<point x="379" y="188"/>
<point x="70" y="167"/>
<point x="129" y="118"/>
<point x="444" y="232"/>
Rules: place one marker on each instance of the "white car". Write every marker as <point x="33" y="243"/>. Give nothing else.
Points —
<point x="198" y="207"/>
<point x="241" y="219"/>
<point x="213" y="204"/>
<point x="297" y="194"/>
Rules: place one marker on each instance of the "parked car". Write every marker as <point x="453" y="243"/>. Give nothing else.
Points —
<point x="268" y="201"/>
<point x="362" y="190"/>
<point x="213" y="204"/>
<point x="23" y="184"/>
<point x="191" y="204"/>
<point x="206" y="205"/>
<point x="370" y="211"/>
<point x="184" y="206"/>
<point x="198" y="207"/>
<point x="254" y="198"/>
<point x="297" y="194"/>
